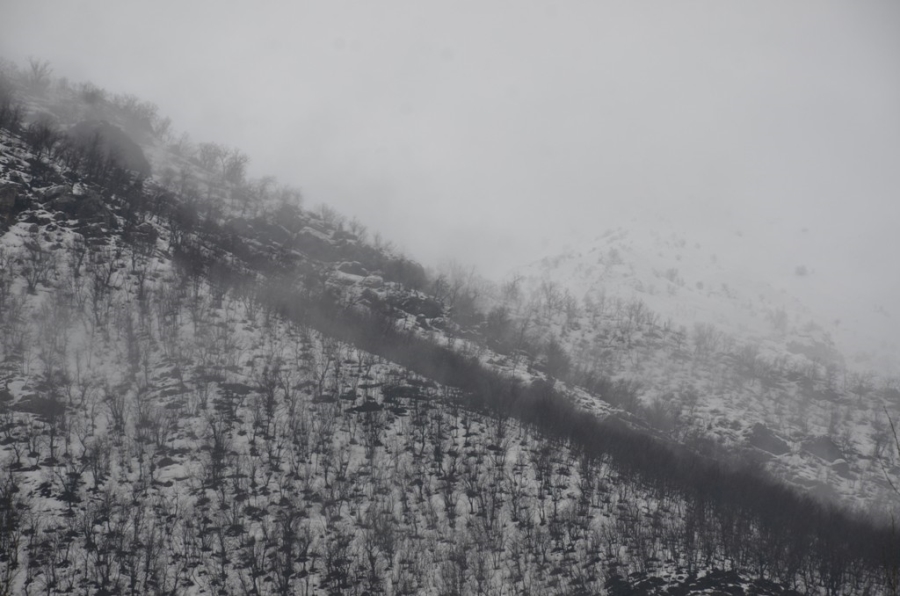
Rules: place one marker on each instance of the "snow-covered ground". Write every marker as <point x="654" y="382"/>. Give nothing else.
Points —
<point x="166" y="432"/>
<point x="719" y="355"/>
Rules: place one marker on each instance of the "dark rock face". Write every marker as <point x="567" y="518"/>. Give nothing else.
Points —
<point x="817" y="350"/>
<point x="823" y="447"/>
<point x="353" y="268"/>
<point x="113" y="142"/>
<point x="13" y="200"/>
<point x="841" y="467"/>
<point x="147" y="232"/>
<point x="56" y="191"/>
<point x="89" y="208"/>
<point x="417" y="305"/>
<point x="8" y="194"/>
<point x="763" y="438"/>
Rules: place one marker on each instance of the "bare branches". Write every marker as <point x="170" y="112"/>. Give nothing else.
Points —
<point x="38" y="264"/>
<point x="38" y="75"/>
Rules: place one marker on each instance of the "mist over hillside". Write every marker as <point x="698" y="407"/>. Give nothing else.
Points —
<point x="505" y="322"/>
<point x="767" y="133"/>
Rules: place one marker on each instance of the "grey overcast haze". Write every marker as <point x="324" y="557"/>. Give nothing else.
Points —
<point x="495" y="133"/>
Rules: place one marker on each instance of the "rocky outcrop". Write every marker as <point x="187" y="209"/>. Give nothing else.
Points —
<point x="353" y="268"/>
<point x="8" y="193"/>
<point x="764" y="439"/>
<point x="824" y="448"/>
<point x="13" y="200"/>
<point x="841" y="467"/>
<point x="421" y="305"/>
<point x="54" y="192"/>
<point x="88" y="208"/>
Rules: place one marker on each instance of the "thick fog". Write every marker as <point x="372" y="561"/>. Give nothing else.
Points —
<point x="496" y="133"/>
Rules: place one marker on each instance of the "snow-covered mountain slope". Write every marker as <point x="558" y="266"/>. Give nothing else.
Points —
<point x="720" y="358"/>
<point x="165" y="433"/>
<point x="204" y="391"/>
<point x="689" y="282"/>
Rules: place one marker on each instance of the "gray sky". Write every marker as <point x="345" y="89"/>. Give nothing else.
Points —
<point x="496" y="131"/>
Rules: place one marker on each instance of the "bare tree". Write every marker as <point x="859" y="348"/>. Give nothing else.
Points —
<point x="43" y="136"/>
<point x="234" y="166"/>
<point x="11" y="111"/>
<point x="38" y="264"/>
<point x="892" y="560"/>
<point x="292" y="547"/>
<point x="38" y="75"/>
<point x="707" y="340"/>
<point x="13" y="510"/>
<point x="336" y="555"/>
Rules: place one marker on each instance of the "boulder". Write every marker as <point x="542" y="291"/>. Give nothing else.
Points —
<point x="841" y="467"/>
<point x="417" y="305"/>
<point x="53" y="192"/>
<point x="147" y="230"/>
<point x="20" y="177"/>
<point x="373" y="281"/>
<point x="764" y="439"/>
<point x="353" y="268"/>
<point x="8" y="194"/>
<point x="68" y="204"/>
<point x="89" y="207"/>
<point x="824" y="448"/>
<point x="93" y="207"/>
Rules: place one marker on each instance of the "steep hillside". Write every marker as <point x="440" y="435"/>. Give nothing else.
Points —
<point x="205" y="388"/>
<point x="718" y="361"/>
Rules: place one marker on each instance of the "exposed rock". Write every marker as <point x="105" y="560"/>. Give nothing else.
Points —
<point x="353" y="268"/>
<point x="311" y="231"/>
<point x="67" y="204"/>
<point x="371" y="297"/>
<point x="8" y="193"/>
<point x="841" y="467"/>
<point x="373" y="281"/>
<point x="368" y="406"/>
<point x="262" y="230"/>
<point x="92" y="231"/>
<point x="817" y="350"/>
<point x="88" y="207"/>
<point x="94" y="207"/>
<point x="416" y="305"/>
<point x="53" y="192"/>
<point x="344" y="235"/>
<point x="41" y="406"/>
<point x="341" y="281"/>
<point x="20" y="177"/>
<point x="763" y="438"/>
<point x="823" y="447"/>
<point x="146" y="232"/>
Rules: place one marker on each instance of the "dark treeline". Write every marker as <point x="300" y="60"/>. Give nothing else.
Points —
<point x="760" y="526"/>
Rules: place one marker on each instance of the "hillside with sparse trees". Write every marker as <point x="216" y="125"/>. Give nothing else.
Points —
<point x="209" y="387"/>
